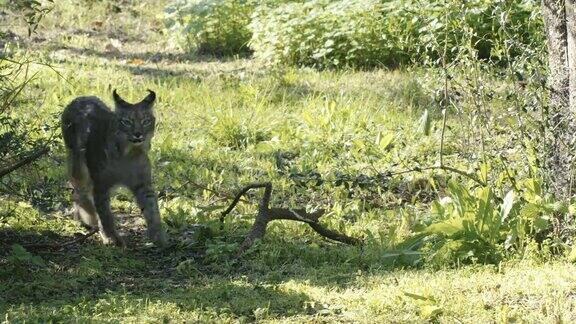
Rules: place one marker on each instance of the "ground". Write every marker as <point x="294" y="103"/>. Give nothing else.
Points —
<point x="321" y="137"/>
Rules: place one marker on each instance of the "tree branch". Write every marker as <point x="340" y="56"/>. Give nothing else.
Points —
<point x="267" y="214"/>
<point x="58" y="246"/>
<point x="24" y="161"/>
<point x="445" y="168"/>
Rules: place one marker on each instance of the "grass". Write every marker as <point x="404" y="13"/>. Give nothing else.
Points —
<point x="321" y="137"/>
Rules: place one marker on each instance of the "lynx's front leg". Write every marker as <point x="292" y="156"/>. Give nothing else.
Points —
<point x="148" y="203"/>
<point x="106" y="219"/>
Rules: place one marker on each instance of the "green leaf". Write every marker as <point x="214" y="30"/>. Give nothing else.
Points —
<point x="572" y="255"/>
<point x="420" y="297"/>
<point x="430" y="311"/>
<point x="425" y="123"/>
<point x="483" y="172"/>
<point x="460" y="197"/>
<point x="438" y="211"/>
<point x="541" y="223"/>
<point x="264" y="147"/>
<point x="446" y="228"/>
<point x="530" y="211"/>
<point x="485" y="213"/>
<point x="384" y="142"/>
<point x="507" y="205"/>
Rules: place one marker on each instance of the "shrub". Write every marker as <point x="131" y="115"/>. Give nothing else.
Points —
<point x="319" y="33"/>
<point x="216" y="27"/>
<point x="365" y="33"/>
<point x="475" y="225"/>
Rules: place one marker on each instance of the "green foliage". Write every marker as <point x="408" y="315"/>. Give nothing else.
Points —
<point x="215" y="27"/>
<point x="21" y="134"/>
<point x="324" y="33"/>
<point x="19" y="263"/>
<point x="472" y="226"/>
<point x="319" y="33"/>
<point x="32" y="11"/>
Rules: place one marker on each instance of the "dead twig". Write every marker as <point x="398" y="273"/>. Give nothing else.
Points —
<point x="267" y="214"/>
<point x="59" y="246"/>
<point x="24" y="161"/>
<point x="465" y="174"/>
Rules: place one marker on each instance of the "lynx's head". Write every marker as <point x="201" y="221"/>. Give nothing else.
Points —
<point x="136" y="122"/>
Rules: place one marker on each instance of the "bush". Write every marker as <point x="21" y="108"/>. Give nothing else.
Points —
<point x="366" y="33"/>
<point x="477" y="226"/>
<point x="215" y="27"/>
<point x="319" y="33"/>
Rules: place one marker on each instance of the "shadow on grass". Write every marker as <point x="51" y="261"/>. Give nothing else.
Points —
<point x="152" y="57"/>
<point x="91" y="274"/>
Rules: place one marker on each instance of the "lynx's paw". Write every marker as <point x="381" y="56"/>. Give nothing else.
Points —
<point x="113" y="240"/>
<point x="159" y="237"/>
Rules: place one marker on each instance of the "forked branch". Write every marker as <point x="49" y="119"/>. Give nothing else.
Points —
<point x="267" y="214"/>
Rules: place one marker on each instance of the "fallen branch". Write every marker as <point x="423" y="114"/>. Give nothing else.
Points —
<point x="267" y="214"/>
<point x="465" y="174"/>
<point x="24" y="161"/>
<point x="58" y="246"/>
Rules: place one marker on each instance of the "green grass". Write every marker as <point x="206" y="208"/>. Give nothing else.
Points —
<point x="317" y="136"/>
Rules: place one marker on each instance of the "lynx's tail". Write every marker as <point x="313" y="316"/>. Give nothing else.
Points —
<point x="75" y="139"/>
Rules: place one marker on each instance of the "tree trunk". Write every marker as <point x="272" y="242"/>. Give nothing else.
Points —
<point x="571" y="43"/>
<point x="560" y="121"/>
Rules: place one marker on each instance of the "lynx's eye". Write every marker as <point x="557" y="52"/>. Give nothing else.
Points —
<point x="126" y="122"/>
<point x="147" y="122"/>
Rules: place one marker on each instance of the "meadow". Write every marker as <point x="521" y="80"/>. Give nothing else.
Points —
<point x="370" y="146"/>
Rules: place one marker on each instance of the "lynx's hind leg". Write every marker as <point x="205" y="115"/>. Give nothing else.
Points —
<point x="84" y="209"/>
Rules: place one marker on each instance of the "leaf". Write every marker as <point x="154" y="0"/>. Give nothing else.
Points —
<point x="483" y="172"/>
<point x="446" y="228"/>
<point x="572" y="255"/>
<point x="430" y="311"/>
<point x="167" y="143"/>
<point x="420" y="297"/>
<point x="384" y="142"/>
<point x="507" y="205"/>
<point x="428" y="305"/>
<point x="394" y="254"/>
<point x="425" y="123"/>
<point x="438" y="211"/>
<point x="308" y="118"/>
<point x="485" y="206"/>
<point x="541" y="223"/>
<point x="460" y="197"/>
<point x="264" y="147"/>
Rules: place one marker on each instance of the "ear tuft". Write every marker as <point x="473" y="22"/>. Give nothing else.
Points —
<point x="150" y="98"/>
<point x="118" y="101"/>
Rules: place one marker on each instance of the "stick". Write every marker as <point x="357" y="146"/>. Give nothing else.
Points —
<point x="266" y="215"/>
<point x="24" y="161"/>
<point x="445" y="168"/>
<point x="58" y="246"/>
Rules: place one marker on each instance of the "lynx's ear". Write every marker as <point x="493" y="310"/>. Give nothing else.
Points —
<point x="149" y="100"/>
<point x="119" y="102"/>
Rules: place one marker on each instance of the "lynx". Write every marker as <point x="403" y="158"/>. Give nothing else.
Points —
<point x="106" y="149"/>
